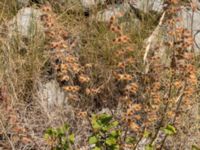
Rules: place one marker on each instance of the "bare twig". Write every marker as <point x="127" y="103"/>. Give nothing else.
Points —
<point x="195" y="42"/>
<point x="165" y="110"/>
<point x="192" y="24"/>
<point x="141" y="137"/>
<point x="179" y="101"/>
<point x="151" y="39"/>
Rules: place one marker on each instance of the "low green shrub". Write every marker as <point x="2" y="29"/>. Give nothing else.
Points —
<point x="59" y="138"/>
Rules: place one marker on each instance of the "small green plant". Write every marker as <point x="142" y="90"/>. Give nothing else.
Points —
<point x="169" y="130"/>
<point x="149" y="147"/>
<point x="60" y="138"/>
<point x="106" y="134"/>
<point x="194" y="147"/>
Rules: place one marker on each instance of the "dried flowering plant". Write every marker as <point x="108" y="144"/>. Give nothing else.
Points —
<point x="119" y="92"/>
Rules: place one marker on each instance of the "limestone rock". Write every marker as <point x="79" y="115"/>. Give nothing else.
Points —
<point x="88" y="3"/>
<point x="117" y="10"/>
<point x="91" y="3"/>
<point x="191" y="21"/>
<point x="51" y="95"/>
<point x="147" y="5"/>
<point x="26" y="23"/>
<point x="22" y="3"/>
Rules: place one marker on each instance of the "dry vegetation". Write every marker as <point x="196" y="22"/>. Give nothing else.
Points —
<point x="100" y="68"/>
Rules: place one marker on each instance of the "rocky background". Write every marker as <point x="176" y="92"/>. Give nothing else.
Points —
<point x="34" y="95"/>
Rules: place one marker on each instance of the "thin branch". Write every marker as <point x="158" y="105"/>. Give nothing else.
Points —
<point x="179" y="100"/>
<point x="150" y="40"/>
<point x="165" y="110"/>
<point x="192" y="24"/>
<point x="195" y="42"/>
<point x="141" y="137"/>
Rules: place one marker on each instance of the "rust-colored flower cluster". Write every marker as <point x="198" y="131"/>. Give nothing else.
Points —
<point x="148" y="99"/>
<point x="121" y="38"/>
<point x="171" y="87"/>
<point x="63" y="54"/>
<point x="124" y="75"/>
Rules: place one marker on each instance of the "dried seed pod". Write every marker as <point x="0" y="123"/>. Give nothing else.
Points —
<point x="71" y="88"/>
<point x="84" y="79"/>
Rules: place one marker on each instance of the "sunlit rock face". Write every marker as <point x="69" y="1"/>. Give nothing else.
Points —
<point x="23" y="27"/>
<point x="51" y="95"/>
<point x="91" y="3"/>
<point x="120" y="8"/>
<point x="148" y="5"/>
<point x="22" y="3"/>
<point x="88" y="3"/>
<point x="145" y="5"/>
<point x="26" y="23"/>
<point x="191" y="21"/>
<point x="117" y="10"/>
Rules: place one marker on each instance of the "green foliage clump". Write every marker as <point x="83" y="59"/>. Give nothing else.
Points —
<point x="169" y="130"/>
<point x="60" y="138"/>
<point x="105" y="133"/>
<point x="108" y="134"/>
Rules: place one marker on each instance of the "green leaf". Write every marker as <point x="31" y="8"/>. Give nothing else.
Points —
<point x="46" y="136"/>
<point x="93" y="140"/>
<point x="114" y="133"/>
<point x="113" y="147"/>
<point x="49" y="131"/>
<point x="111" y="141"/>
<point x="64" y="141"/>
<point x="96" y="125"/>
<point x="194" y="147"/>
<point x="105" y="119"/>
<point x="130" y="140"/>
<point x="96" y="148"/>
<point x="146" y="134"/>
<point x="106" y="128"/>
<point x="116" y="147"/>
<point x="65" y="146"/>
<point x="66" y="127"/>
<point x="170" y="130"/>
<point x="60" y="132"/>
<point x="115" y="123"/>
<point x="72" y="138"/>
<point x="149" y="147"/>
<point x="54" y="132"/>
